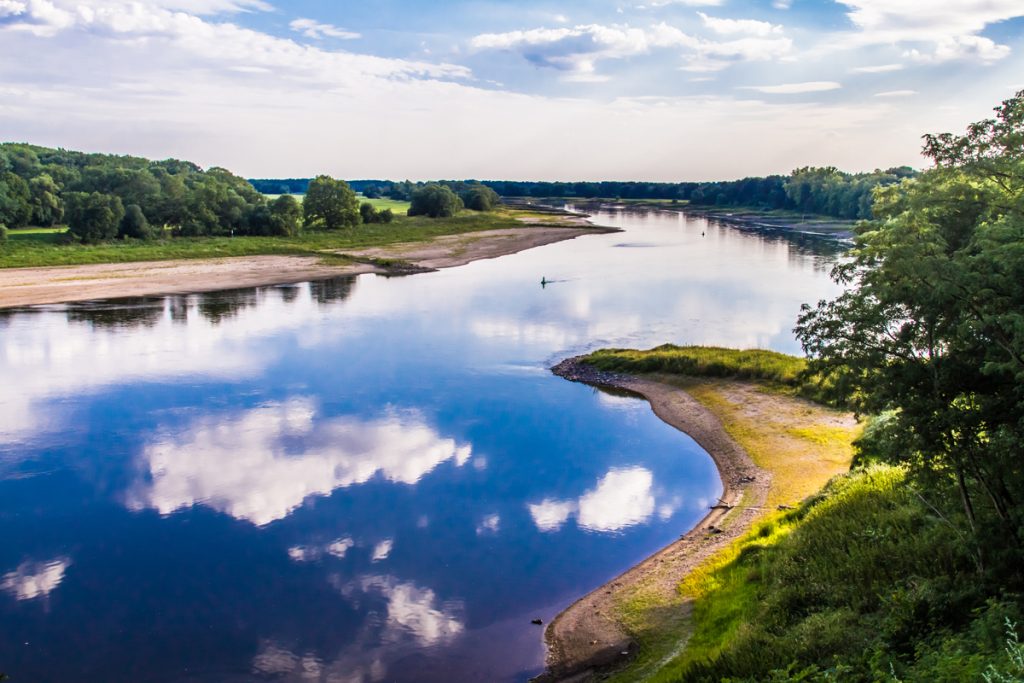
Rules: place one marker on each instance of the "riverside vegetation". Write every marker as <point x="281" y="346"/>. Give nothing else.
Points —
<point x="908" y="567"/>
<point x="122" y="209"/>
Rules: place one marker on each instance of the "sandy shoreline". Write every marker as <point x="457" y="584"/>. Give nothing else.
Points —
<point x="587" y="637"/>
<point x="62" y="284"/>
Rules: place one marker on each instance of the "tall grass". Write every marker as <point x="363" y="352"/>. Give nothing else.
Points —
<point x="861" y="583"/>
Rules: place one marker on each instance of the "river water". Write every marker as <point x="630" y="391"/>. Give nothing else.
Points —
<point x="363" y="479"/>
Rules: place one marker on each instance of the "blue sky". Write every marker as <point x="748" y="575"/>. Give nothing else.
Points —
<point x="644" y="89"/>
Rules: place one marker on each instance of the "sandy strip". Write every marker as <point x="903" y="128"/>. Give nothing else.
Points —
<point x="586" y="637"/>
<point x="29" y="286"/>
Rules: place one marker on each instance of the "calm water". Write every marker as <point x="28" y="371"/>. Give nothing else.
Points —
<point x="366" y="479"/>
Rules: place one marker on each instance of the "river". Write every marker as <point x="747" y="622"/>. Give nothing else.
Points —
<point x="362" y="479"/>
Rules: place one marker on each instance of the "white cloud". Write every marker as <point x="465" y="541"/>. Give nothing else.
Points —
<point x="382" y="550"/>
<point x="577" y="50"/>
<point x="221" y="43"/>
<point x="896" y="93"/>
<point x="412" y="618"/>
<point x="242" y="464"/>
<point x="12" y="8"/>
<point x="687" y="3"/>
<point x="795" y="88"/>
<point x="743" y="26"/>
<point x="950" y="26"/>
<point x="550" y="515"/>
<point x="877" y="69"/>
<point x="316" y="30"/>
<point x="975" y="48"/>
<point x="621" y="498"/>
<point x="488" y="525"/>
<point x="35" y="579"/>
<point x="311" y="553"/>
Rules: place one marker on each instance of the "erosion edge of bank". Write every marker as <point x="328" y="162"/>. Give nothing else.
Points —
<point x="587" y="637"/>
<point x="67" y="284"/>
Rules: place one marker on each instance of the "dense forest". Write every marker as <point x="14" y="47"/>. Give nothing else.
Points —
<point x="824" y="191"/>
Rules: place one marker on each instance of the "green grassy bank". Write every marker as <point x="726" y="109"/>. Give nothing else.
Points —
<point x="866" y="579"/>
<point x="48" y="246"/>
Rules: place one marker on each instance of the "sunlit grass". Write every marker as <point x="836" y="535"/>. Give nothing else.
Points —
<point x="46" y="247"/>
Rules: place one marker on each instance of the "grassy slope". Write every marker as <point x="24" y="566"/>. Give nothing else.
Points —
<point x="861" y="582"/>
<point x="44" y="247"/>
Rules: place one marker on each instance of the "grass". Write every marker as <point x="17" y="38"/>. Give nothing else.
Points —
<point x="801" y="444"/>
<point x="381" y="203"/>
<point x="703" y="361"/>
<point x="46" y="247"/>
<point x="399" y="207"/>
<point x="861" y="583"/>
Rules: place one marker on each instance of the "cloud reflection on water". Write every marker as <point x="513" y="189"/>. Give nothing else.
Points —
<point x="622" y="498"/>
<point x="402" y="619"/>
<point x="35" y="579"/>
<point x="261" y="464"/>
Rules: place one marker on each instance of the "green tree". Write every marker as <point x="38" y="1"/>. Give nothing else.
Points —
<point x="386" y="216"/>
<point x="134" y="224"/>
<point x="480" y="198"/>
<point x="47" y="208"/>
<point x="285" y="215"/>
<point x="330" y="204"/>
<point x="93" y="217"/>
<point x="931" y="327"/>
<point x="15" y="200"/>
<point x="368" y="213"/>
<point x="435" y="201"/>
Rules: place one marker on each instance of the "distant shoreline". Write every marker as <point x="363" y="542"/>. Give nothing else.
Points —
<point x="65" y="284"/>
<point x="746" y="218"/>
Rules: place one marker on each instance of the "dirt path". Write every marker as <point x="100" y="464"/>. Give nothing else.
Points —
<point x="29" y="286"/>
<point x="591" y="635"/>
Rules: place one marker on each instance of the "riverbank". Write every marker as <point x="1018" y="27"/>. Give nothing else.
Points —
<point x="768" y="447"/>
<point x="61" y="284"/>
<point x="744" y="218"/>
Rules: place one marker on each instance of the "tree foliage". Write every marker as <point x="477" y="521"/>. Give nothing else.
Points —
<point x="134" y="224"/>
<point x="931" y="328"/>
<point x="330" y="204"/>
<point x="94" y="216"/>
<point x="435" y="201"/>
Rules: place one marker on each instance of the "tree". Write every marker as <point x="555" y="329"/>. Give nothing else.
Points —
<point x="47" y="208"/>
<point x="94" y="217"/>
<point x="285" y="216"/>
<point x="134" y="224"/>
<point x="435" y="201"/>
<point x="368" y="213"/>
<point x="15" y="200"/>
<point x="330" y="204"/>
<point x="931" y="328"/>
<point x="480" y="198"/>
<point x="386" y="216"/>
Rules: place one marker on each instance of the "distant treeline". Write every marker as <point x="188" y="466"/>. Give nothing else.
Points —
<point x="102" y="196"/>
<point x="826" y="191"/>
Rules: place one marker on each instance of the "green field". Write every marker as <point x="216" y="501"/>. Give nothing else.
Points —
<point x="46" y="246"/>
<point x="381" y="203"/>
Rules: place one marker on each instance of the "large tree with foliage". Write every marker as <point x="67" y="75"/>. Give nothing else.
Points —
<point x="435" y="201"/>
<point x="330" y="204"/>
<point x="930" y="331"/>
<point x="94" y="216"/>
